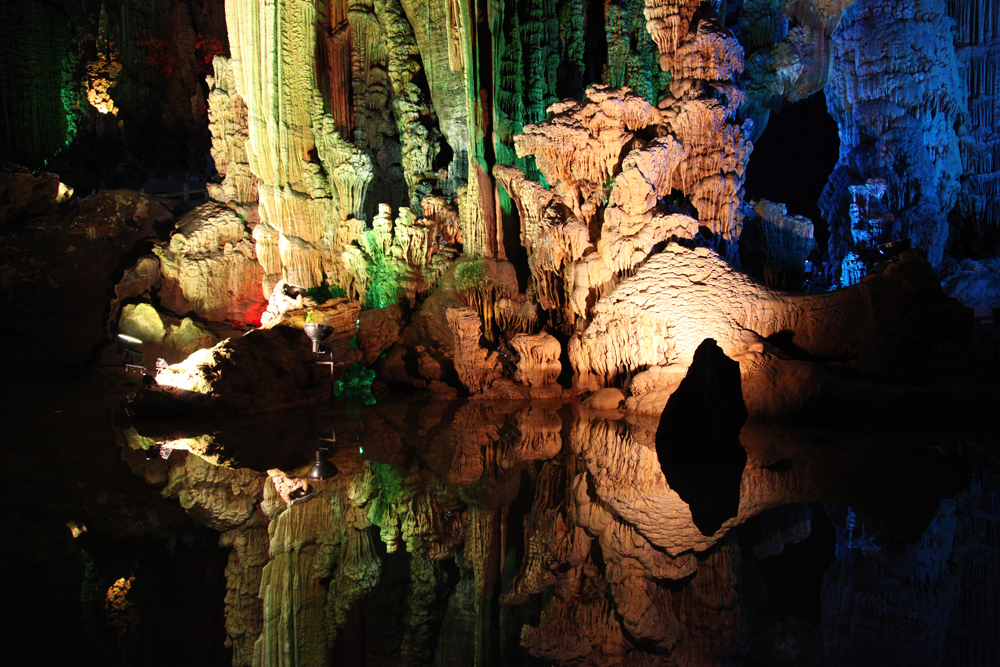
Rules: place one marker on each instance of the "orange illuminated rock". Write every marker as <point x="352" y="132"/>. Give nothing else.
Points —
<point x="476" y="366"/>
<point x="538" y="359"/>
<point x="682" y="296"/>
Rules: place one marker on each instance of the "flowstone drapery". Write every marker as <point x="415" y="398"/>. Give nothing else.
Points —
<point x="312" y="181"/>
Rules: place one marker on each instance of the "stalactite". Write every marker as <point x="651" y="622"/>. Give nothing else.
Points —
<point x="633" y="59"/>
<point x="419" y="138"/>
<point x="313" y="183"/>
<point x="437" y="27"/>
<point x="335" y="63"/>
<point x="477" y="208"/>
<point x="227" y="122"/>
<point x="37" y="99"/>
<point x="977" y="46"/>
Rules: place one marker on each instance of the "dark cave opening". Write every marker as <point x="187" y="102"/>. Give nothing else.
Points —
<point x="794" y="157"/>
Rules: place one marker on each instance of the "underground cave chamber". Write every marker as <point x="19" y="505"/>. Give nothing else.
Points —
<point x="442" y="332"/>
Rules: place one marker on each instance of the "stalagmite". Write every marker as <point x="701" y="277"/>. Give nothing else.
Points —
<point x="538" y="359"/>
<point x="398" y="260"/>
<point x="477" y="368"/>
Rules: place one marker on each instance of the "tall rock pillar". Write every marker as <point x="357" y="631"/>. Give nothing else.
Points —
<point x="313" y="182"/>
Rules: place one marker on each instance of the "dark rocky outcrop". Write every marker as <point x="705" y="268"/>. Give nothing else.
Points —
<point x="698" y="439"/>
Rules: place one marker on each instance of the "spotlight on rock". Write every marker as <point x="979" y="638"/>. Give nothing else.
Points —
<point x="316" y="333"/>
<point x="321" y="468"/>
<point x="128" y="347"/>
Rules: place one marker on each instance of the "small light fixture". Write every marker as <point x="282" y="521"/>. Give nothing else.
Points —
<point x="892" y="249"/>
<point x="128" y="347"/>
<point x="294" y="291"/>
<point x="317" y="333"/>
<point x="321" y="468"/>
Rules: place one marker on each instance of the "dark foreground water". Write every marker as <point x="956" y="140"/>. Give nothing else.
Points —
<point x="466" y="533"/>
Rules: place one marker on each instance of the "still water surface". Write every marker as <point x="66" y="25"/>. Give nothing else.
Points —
<point x="466" y="533"/>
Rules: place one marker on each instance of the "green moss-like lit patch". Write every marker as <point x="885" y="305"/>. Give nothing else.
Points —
<point x="388" y="489"/>
<point x="323" y="293"/>
<point x="385" y="287"/>
<point x="356" y="384"/>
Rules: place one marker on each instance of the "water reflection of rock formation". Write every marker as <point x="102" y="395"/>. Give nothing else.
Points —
<point x="609" y="563"/>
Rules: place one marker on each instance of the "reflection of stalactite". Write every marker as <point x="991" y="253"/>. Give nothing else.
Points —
<point x="482" y="554"/>
<point x="357" y="574"/>
<point x="931" y="601"/>
<point x="424" y="608"/>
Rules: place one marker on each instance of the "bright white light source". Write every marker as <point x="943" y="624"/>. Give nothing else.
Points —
<point x="129" y="339"/>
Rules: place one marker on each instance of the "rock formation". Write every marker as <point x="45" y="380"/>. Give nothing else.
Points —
<point x="903" y="133"/>
<point x="787" y="241"/>
<point x="976" y="48"/>
<point x="312" y="181"/>
<point x="163" y="337"/>
<point x="210" y="267"/>
<point x="261" y="370"/>
<point x="680" y="297"/>
<point x="228" y="123"/>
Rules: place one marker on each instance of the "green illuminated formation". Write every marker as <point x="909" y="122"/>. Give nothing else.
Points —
<point x="388" y="487"/>
<point x="633" y="59"/>
<point x="39" y="85"/>
<point x="356" y="385"/>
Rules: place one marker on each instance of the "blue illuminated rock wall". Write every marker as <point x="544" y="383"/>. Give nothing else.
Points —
<point x="898" y="98"/>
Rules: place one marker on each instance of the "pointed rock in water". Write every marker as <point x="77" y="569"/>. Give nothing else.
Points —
<point x="697" y="440"/>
